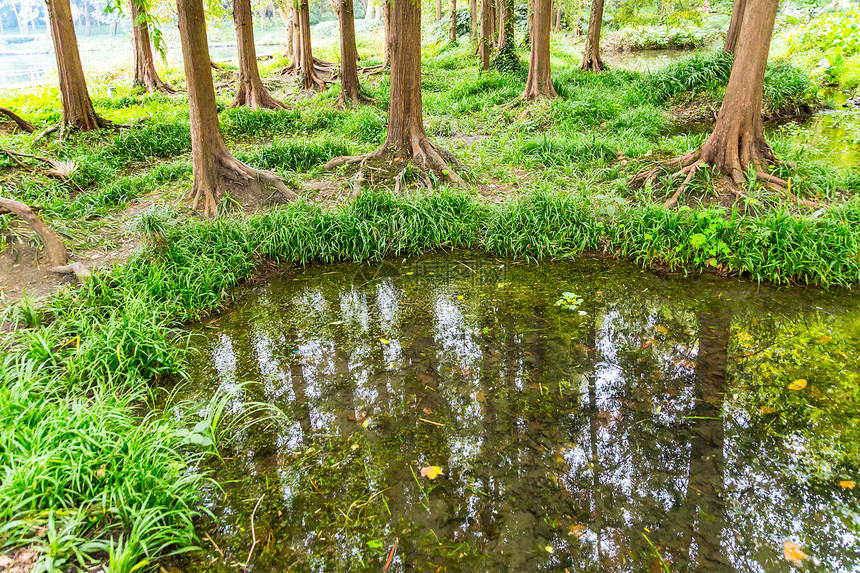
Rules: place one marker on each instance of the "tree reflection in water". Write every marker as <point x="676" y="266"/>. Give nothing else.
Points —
<point x="621" y="439"/>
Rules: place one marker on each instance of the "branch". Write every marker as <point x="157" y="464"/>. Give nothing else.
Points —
<point x="54" y="247"/>
<point x="22" y="123"/>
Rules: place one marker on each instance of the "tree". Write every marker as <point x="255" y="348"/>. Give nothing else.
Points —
<point x="452" y="31"/>
<point x="485" y="41"/>
<point x="144" y="64"/>
<point x="737" y="143"/>
<point x="539" y="82"/>
<point x="735" y="26"/>
<point x="591" y="57"/>
<point x="506" y="30"/>
<point x="350" y="90"/>
<point x="406" y="142"/>
<point x="217" y="173"/>
<point x="78" y="111"/>
<point x="250" y="90"/>
<point x="473" y="20"/>
<point x="312" y="77"/>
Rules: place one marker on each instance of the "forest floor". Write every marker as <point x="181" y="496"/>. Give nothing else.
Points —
<point x="590" y="141"/>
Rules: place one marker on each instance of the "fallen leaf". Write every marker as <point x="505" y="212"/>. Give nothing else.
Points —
<point x="549" y="549"/>
<point x="427" y="411"/>
<point x="766" y="410"/>
<point x="431" y="472"/>
<point x="793" y="553"/>
<point x="798" y="384"/>
<point x="383" y="341"/>
<point x="100" y="473"/>
<point x="825" y="339"/>
<point x="577" y="530"/>
<point x="481" y="397"/>
<point x="353" y="447"/>
<point x="661" y="329"/>
<point x="846" y="484"/>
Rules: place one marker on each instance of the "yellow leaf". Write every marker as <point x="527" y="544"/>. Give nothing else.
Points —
<point x="577" y="530"/>
<point x="481" y="397"/>
<point x="766" y="410"/>
<point x="353" y="447"/>
<point x="431" y="472"/>
<point x="845" y="484"/>
<point x="661" y="329"/>
<point x="793" y="553"/>
<point x="798" y="384"/>
<point x="825" y="339"/>
<point x="459" y="297"/>
<point x="549" y="549"/>
<point x="383" y="341"/>
<point x="100" y="473"/>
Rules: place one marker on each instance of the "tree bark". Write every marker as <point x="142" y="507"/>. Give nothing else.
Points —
<point x="54" y="248"/>
<point x="473" y="20"/>
<point x="591" y="57"/>
<point x="485" y="40"/>
<point x="311" y="80"/>
<point x="20" y="122"/>
<point x="406" y="141"/>
<point x="506" y="30"/>
<point x="145" y="74"/>
<point x="250" y="90"/>
<point x="438" y="10"/>
<point x="78" y="111"/>
<point x="539" y="82"/>
<point x="217" y="173"/>
<point x="557" y="20"/>
<point x="735" y="26"/>
<point x="350" y="90"/>
<point x="368" y="10"/>
<point x="386" y="25"/>
<point x="452" y="31"/>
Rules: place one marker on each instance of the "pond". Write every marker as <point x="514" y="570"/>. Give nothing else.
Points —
<point x="581" y="416"/>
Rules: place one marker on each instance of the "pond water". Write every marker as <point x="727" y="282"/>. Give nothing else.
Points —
<point x="663" y="423"/>
<point x="831" y="135"/>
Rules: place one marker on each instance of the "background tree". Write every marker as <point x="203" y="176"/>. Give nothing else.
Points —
<point x="485" y="42"/>
<point x="406" y="141"/>
<point x="250" y="90"/>
<point x="145" y="74"/>
<point x="350" y="89"/>
<point x="312" y="77"/>
<point x="217" y="173"/>
<point x="735" y="26"/>
<point x="737" y="143"/>
<point x="452" y="31"/>
<point x="539" y="82"/>
<point x="78" y="109"/>
<point x="473" y="20"/>
<point x="591" y="57"/>
<point x="506" y="29"/>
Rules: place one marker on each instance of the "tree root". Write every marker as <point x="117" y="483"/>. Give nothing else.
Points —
<point x="20" y="122"/>
<point x="426" y="158"/>
<point x="54" y="247"/>
<point x="343" y="102"/>
<point x="242" y="185"/>
<point x="61" y="170"/>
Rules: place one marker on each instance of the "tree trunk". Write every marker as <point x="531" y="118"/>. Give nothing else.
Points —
<point x="494" y="28"/>
<point x="217" y="173"/>
<point x="368" y="10"/>
<point x="144" y="64"/>
<point x="350" y="90"/>
<point x="737" y="141"/>
<point x="591" y="57"/>
<point x="506" y="30"/>
<point x="557" y="20"/>
<point x="78" y="111"/>
<point x="311" y="80"/>
<point x="539" y="83"/>
<point x="452" y="31"/>
<point x="735" y="26"/>
<point x="250" y="90"/>
<point x="473" y="20"/>
<point x="438" y="10"/>
<point x="406" y="141"/>
<point x="87" y="19"/>
<point x="386" y="24"/>
<point x="484" y="42"/>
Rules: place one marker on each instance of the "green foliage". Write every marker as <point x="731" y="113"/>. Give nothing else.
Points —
<point x="661" y="36"/>
<point x="827" y="46"/>
<point x="787" y="89"/>
<point x="242" y="121"/>
<point x="157" y="140"/>
<point x="295" y="154"/>
<point x="699" y="72"/>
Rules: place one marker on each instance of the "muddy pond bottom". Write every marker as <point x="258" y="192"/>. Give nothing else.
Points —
<point x="463" y="413"/>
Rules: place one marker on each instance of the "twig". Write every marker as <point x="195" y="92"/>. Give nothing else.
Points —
<point x="253" y="531"/>
<point x="390" y="555"/>
<point x="432" y="422"/>
<point x="215" y="545"/>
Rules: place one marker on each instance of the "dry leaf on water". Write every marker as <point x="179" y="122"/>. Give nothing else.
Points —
<point x="793" y="553"/>
<point x="577" y="530"/>
<point x="431" y="472"/>
<point x="846" y="484"/>
<point x="799" y="384"/>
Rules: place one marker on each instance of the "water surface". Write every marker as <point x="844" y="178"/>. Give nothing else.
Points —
<point x="660" y="425"/>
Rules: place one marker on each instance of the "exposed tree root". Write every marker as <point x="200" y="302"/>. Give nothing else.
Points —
<point x="371" y="70"/>
<point x="426" y="158"/>
<point x="20" y="122"/>
<point x="245" y="186"/>
<point x="61" y="170"/>
<point x="344" y="101"/>
<point x="54" y="247"/>
<point x="256" y="97"/>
